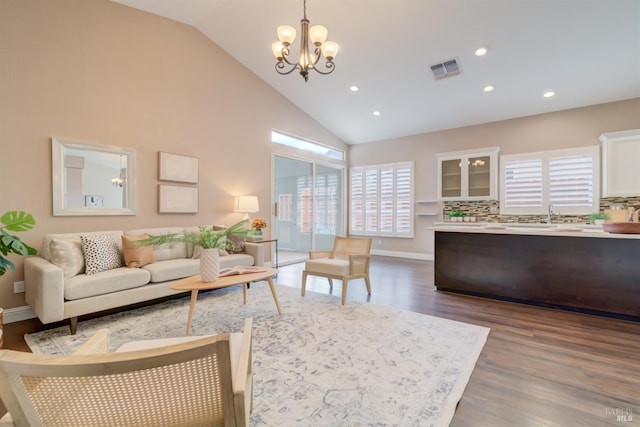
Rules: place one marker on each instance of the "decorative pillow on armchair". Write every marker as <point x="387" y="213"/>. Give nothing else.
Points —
<point x="101" y="252"/>
<point x="136" y="256"/>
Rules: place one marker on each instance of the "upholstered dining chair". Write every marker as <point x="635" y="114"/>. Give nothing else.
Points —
<point x="170" y="382"/>
<point x="349" y="259"/>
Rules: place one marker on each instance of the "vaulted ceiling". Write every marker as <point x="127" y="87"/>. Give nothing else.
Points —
<point x="586" y="51"/>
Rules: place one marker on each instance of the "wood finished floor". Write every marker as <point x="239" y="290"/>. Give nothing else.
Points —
<point x="540" y="367"/>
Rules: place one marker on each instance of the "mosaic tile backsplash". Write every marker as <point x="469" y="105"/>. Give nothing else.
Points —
<point x="489" y="211"/>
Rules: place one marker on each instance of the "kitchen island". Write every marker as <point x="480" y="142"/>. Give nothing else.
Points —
<point x="567" y="266"/>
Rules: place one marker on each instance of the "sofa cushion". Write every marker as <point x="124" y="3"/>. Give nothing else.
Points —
<point x="332" y="266"/>
<point x="172" y="269"/>
<point x="45" y="251"/>
<point x="101" y="252"/>
<point x="163" y="252"/>
<point x="67" y="254"/>
<point x="136" y="256"/>
<point x="118" y="279"/>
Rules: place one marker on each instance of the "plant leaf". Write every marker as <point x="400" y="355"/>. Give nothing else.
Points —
<point x="18" y="221"/>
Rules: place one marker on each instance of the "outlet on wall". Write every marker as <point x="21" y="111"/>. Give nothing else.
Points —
<point x="18" y="287"/>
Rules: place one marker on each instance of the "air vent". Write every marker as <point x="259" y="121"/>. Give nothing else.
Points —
<point x="445" y="69"/>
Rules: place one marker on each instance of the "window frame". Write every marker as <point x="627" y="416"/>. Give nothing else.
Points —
<point x="545" y="157"/>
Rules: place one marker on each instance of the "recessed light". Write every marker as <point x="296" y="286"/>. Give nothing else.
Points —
<point x="481" y="51"/>
<point x="549" y="94"/>
<point x="376" y="113"/>
<point x="488" y="88"/>
<point x="354" y="88"/>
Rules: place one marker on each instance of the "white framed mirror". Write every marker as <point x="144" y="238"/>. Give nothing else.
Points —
<point x="92" y="179"/>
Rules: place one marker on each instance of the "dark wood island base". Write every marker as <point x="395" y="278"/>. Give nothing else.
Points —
<point x="594" y="275"/>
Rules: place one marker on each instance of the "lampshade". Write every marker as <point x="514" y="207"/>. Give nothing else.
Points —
<point x="330" y="50"/>
<point x="318" y="34"/>
<point x="247" y="204"/>
<point x="286" y="34"/>
<point x="277" y="47"/>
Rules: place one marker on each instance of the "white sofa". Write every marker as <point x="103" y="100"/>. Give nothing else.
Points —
<point x="55" y="292"/>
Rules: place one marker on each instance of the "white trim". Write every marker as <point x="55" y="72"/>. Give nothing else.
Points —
<point x="407" y="255"/>
<point x="17" y="314"/>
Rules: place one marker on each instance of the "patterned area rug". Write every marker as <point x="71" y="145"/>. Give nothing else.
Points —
<point x="320" y="363"/>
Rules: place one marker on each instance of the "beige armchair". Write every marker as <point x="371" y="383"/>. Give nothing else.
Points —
<point x="174" y="382"/>
<point x="348" y="260"/>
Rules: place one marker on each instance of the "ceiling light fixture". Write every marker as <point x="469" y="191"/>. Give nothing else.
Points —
<point x="549" y="94"/>
<point x="482" y="51"/>
<point x="308" y="59"/>
<point x="376" y="113"/>
<point x="488" y="88"/>
<point x="354" y="88"/>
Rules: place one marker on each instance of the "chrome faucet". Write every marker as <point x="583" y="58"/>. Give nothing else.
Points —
<point x="549" y="213"/>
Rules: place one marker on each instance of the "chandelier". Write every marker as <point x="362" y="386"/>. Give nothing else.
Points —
<point x="308" y="59"/>
<point x="121" y="178"/>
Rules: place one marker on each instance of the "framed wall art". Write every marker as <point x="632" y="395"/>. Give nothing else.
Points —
<point x="177" y="168"/>
<point x="177" y="199"/>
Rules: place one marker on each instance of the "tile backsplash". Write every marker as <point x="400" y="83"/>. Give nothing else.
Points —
<point x="489" y="211"/>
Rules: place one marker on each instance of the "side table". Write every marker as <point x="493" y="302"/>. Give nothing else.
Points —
<point x="268" y="241"/>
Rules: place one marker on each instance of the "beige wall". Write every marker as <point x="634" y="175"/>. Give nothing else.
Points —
<point x="565" y="129"/>
<point x="96" y="71"/>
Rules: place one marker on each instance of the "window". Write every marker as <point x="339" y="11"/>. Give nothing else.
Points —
<point x="381" y="200"/>
<point x="566" y="179"/>
<point x="305" y="145"/>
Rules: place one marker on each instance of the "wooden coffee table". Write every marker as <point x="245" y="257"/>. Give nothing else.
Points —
<point x="195" y="284"/>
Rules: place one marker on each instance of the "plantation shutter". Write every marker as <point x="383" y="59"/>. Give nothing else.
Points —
<point x="381" y="200"/>
<point x="571" y="181"/>
<point x="523" y="185"/>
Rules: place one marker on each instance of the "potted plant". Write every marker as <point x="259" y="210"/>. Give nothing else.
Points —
<point x="209" y="239"/>
<point x="598" y="217"/>
<point x="456" y="215"/>
<point x="16" y="221"/>
<point x="258" y="224"/>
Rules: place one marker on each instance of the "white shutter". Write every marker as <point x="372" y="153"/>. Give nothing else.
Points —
<point x="566" y="179"/>
<point x="571" y="181"/>
<point x="356" y="205"/>
<point x="381" y="200"/>
<point x="404" y="200"/>
<point x="522" y="185"/>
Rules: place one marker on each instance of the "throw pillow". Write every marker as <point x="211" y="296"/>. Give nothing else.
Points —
<point x="235" y="244"/>
<point x="67" y="254"/>
<point x="136" y="256"/>
<point x="100" y="252"/>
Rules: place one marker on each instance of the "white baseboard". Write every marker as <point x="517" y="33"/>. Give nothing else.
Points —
<point x="408" y="255"/>
<point x="17" y="314"/>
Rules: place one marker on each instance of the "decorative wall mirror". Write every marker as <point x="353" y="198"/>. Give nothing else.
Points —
<point x="92" y="179"/>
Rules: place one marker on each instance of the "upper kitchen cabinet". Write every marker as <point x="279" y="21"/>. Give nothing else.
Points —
<point x="468" y="175"/>
<point x="620" y="160"/>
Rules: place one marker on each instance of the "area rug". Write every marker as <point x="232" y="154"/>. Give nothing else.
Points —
<point x="320" y="363"/>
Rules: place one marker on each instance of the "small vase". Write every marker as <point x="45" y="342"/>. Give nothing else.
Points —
<point x="257" y="234"/>
<point x="209" y="265"/>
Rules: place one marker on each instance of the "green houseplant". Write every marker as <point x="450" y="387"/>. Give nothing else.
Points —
<point x="209" y="239"/>
<point x="15" y="221"/>
<point x="457" y="214"/>
<point x="598" y="217"/>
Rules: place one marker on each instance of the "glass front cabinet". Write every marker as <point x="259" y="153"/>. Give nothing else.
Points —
<point x="468" y="175"/>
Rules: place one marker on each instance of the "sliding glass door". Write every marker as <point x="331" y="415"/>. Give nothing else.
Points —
<point x="309" y="207"/>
